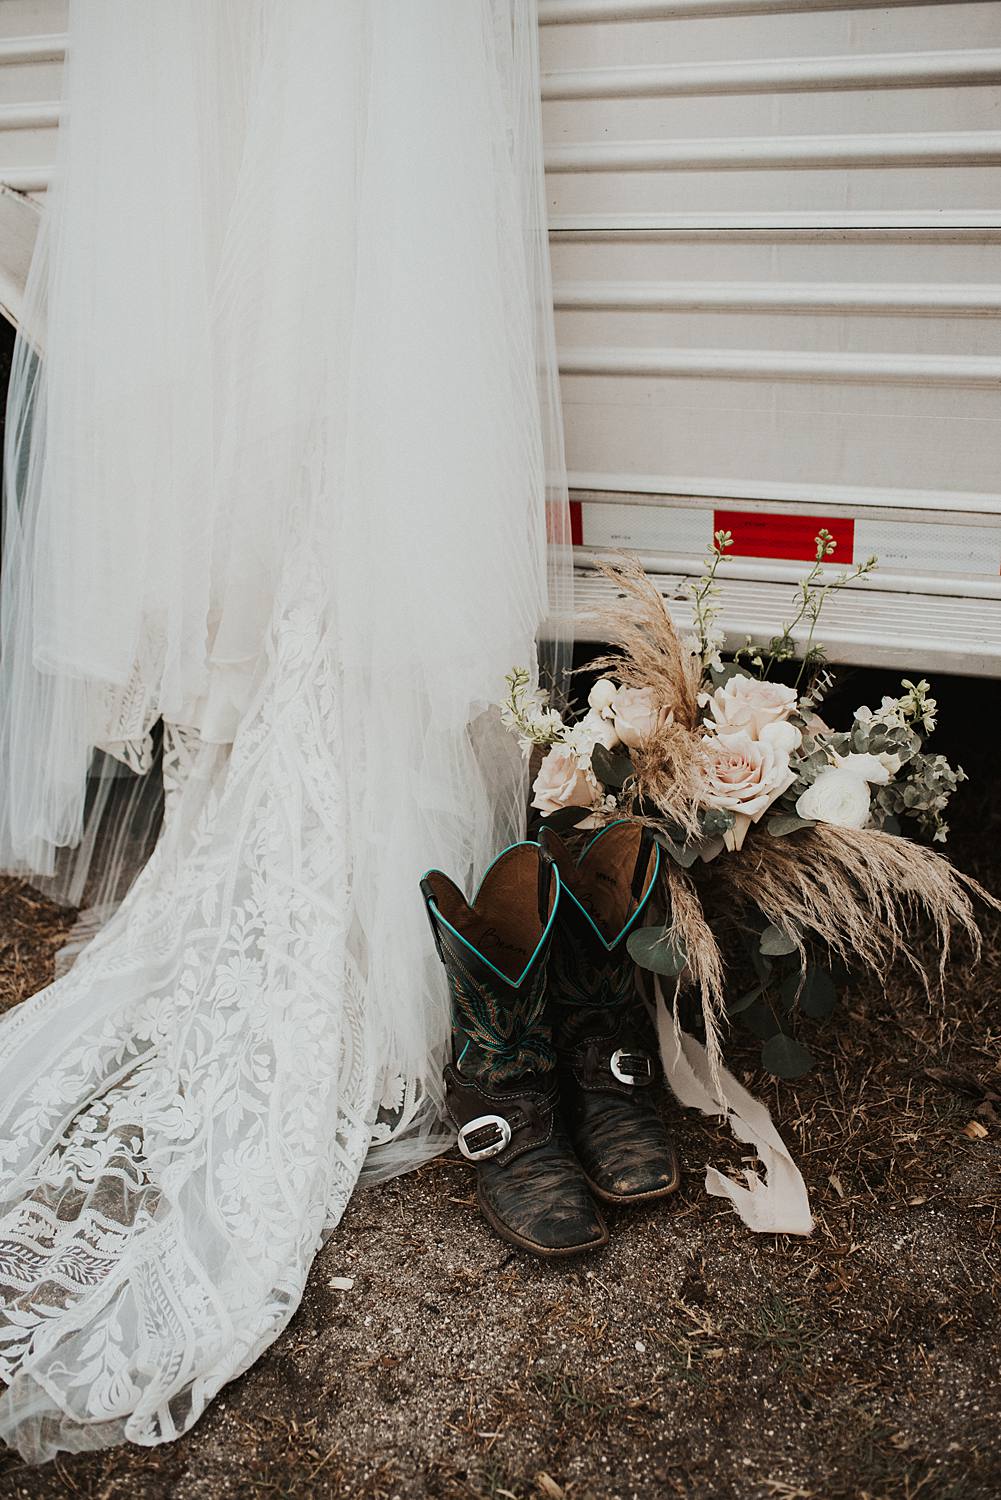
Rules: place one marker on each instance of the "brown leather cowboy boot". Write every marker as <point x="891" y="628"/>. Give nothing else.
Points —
<point x="501" y="1089"/>
<point x="605" y="1045"/>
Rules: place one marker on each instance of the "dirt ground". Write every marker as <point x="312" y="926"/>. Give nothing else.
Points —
<point x="690" y="1358"/>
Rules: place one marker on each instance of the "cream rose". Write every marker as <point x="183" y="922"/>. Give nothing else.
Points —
<point x="563" y="782"/>
<point x="746" y="703"/>
<point x="744" y="776"/>
<point x="838" y="796"/>
<point x="636" y="715"/>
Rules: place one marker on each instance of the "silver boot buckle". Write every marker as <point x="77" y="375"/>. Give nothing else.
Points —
<point x="498" y="1138"/>
<point x="631" y="1067"/>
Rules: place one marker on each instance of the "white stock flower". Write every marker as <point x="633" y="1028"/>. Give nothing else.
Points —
<point x="838" y="796"/>
<point x="747" y="703"/>
<point x="602" y="695"/>
<point x="590" y="731"/>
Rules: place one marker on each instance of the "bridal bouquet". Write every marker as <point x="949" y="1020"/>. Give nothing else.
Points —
<point x="774" y="822"/>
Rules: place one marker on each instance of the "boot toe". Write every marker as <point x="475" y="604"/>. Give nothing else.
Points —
<point x="636" y="1180"/>
<point x="626" y="1151"/>
<point x="542" y="1205"/>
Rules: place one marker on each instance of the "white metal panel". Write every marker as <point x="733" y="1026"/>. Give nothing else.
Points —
<point x="777" y="264"/>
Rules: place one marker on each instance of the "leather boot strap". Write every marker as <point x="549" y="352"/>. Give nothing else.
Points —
<point x="500" y="1124"/>
<point x="609" y="1063"/>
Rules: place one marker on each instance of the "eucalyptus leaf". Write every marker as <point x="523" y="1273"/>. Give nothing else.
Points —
<point x="716" y="820"/>
<point x="776" y="942"/>
<point x="651" y="948"/>
<point x="763" y="965"/>
<point x="818" y="996"/>
<point x="721" y="675"/>
<point x="684" y="855"/>
<point x="784" y="823"/>
<point x="784" y="1057"/>
<point x="611" y="770"/>
<point x="745" y="1001"/>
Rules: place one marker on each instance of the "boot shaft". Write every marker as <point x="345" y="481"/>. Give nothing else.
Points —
<point x="496" y="951"/>
<point x="603" y="896"/>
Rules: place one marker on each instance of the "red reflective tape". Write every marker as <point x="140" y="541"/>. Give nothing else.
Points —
<point x="766" y="534"/>
<point x="576" y="524"/>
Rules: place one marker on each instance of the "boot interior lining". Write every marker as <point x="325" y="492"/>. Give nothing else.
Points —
<point x="602" y="882"/>
<point x="504" y="925"/>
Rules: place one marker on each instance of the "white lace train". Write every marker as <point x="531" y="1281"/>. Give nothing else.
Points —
<point x="214" y="1045"/>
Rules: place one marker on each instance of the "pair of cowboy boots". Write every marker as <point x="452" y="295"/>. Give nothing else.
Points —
<point x="551" y="1083"/>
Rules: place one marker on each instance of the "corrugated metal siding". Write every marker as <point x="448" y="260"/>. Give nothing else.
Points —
<point x="776" y="232"/>
<point x="32" y="40"/>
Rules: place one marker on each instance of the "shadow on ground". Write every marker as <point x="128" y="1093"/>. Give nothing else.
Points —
<point x="690" y="1358"/>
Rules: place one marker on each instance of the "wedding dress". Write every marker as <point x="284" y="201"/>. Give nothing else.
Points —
<point x="282" y="477"/>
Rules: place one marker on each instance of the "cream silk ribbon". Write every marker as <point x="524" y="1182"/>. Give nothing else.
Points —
<point x="777" y="1203"/>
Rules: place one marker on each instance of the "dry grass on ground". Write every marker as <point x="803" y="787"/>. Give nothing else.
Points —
<point x="688" y="1359"/>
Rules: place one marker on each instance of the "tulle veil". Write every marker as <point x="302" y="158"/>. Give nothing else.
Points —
<point x="284" y="500"/>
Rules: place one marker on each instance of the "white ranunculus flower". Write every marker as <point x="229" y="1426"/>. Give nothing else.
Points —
<point x="747" y="703"/>
<point x="601" y="696"/>
<point x="782" y="736"/>
<point x="838" y="796"/>
<point x="869" y="767"/>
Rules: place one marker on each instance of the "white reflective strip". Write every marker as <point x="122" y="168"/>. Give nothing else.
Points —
<point x="941" y="549"/>
<point x="646" y="526"/>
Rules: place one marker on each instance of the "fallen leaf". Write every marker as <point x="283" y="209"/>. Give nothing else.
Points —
<point x="975" y="1130"/>
<point x="546" y="1485"/>
<point x="835" y="1182"/>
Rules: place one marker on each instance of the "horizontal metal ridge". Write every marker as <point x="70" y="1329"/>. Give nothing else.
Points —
<point x="927" y="223"/>
<point x="890" y="70"/>
<point x="29" y="49"/>
<point x="742" y="153"/>
<point x="955" y="298"/>
<point x="29" y="116"/>
<point x="26" y="179"/>
<point x="785" y="364"/>
<point x="701" y="491"/>
<point x="566" y="12"/>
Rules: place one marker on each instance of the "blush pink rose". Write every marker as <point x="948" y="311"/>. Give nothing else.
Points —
<point x="563" y="782"/>
<point x="744" y="776"/>
<point x="745" y="703"/>
<point x="636" y="715"/>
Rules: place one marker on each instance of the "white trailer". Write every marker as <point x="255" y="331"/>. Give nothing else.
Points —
<point x="776" y="236"/>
